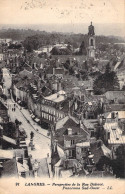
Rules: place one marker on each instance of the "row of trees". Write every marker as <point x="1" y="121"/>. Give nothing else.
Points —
<point x="43" y="38"/>
<point x="22" y="34"/>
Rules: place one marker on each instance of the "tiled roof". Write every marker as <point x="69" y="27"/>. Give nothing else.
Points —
<point x="72" y="124"/>
<point x="88" y="124"/>
<point x="88" y="107"/>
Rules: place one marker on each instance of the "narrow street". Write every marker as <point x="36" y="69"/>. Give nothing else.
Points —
<point x="42" y="143"/>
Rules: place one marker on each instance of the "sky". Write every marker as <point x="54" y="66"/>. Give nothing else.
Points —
<point x="107" y="15"/>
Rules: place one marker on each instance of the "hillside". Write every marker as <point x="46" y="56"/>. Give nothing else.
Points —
<point x="50" y="38"/>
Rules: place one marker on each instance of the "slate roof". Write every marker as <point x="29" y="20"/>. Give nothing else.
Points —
<point x="88" y="124"/>
<point x="77" y="133"/>
<point x="10" y="168"/>
<point x="87" y="107"/>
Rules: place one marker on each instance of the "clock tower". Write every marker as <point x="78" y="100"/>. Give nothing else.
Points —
<point x="91" y="42"/>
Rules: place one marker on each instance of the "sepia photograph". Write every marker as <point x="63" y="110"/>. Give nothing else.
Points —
<point x="62" y="96"/>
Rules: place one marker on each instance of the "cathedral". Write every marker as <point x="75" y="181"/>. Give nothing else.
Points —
<point x="91" y="42"/>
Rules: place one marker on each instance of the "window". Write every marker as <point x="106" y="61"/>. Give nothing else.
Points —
<point x="72" y="142"/>
<point x="92" y="133"/>
<point x="70" y="153"/>
<point x="91" y="42"/>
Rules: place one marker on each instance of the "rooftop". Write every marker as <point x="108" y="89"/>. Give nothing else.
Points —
<point x="114" y="107"/>
<point x="8" y="139"/>
<point x="88" y="124"/>
<point x="57" y="97"/>
<point x="116" y="136"/>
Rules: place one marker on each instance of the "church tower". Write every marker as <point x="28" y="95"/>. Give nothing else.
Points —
<point x="91" y="42"/>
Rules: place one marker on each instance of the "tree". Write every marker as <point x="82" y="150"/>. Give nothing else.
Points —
<point x="118" y="164"/>
<point x="106" y="82"/>
<point x="108" y="69"/>
<point x="82" y="48"/>
<point x="98" y="85"/>
<point x="102" y="162"/>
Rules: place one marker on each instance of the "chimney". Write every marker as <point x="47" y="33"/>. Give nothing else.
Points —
<point x="112" y="115"/>
<point x="69" y="131"/>
<point x="80" y="122"/>
<point x="53" y="71"/>
<point x="108" y="135"/>
<point x="59" y="86"/>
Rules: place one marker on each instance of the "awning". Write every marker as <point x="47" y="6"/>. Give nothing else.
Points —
<point x="83" y="144"/>
<point x="91" y="156"/>
<point x="37" y="120"/>
<point x="6" y="154"/>
<point x="10" y="140"/>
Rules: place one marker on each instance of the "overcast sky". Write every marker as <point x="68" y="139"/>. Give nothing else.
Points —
<point x="29" y="12"/>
